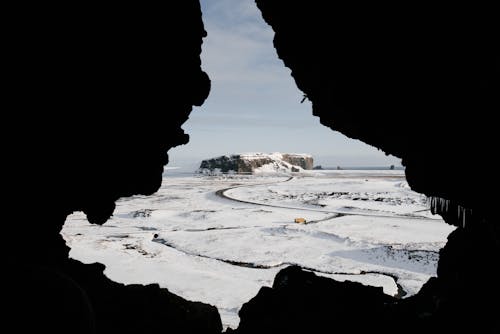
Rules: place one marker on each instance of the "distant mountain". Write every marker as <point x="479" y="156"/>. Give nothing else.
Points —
<point x="254" y="163"/>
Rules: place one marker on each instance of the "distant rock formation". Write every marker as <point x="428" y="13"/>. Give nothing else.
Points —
<point x="246" y="163"/>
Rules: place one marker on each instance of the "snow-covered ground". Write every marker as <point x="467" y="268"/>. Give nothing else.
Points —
<point x="218" y="239"/>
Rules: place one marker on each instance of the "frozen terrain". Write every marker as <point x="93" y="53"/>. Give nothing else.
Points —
<point x="218" y="239"/>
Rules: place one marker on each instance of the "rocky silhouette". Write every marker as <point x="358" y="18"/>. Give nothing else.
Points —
<point x="95" y="96"/>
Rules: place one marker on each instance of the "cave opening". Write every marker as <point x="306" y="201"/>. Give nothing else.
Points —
<point x="84" y="87"/>
<point x="219" y="238"/>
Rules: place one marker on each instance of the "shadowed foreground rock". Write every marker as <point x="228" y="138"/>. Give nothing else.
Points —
<point x="301" y="302"/>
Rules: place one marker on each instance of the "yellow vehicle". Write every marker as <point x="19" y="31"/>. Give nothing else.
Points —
<point x="300" y="221"/>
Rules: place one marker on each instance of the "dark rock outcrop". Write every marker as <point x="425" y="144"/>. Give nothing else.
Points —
<point x="231" y="163"/>
<point x="301" y="302"/>
<point x="301" y="160"/>
<point x="97" y="96"/>
<point x="247" y="163"/>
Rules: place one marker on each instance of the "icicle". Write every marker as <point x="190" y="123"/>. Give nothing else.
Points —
<point x="443" y="207"/>
<point x="463" y="218"/>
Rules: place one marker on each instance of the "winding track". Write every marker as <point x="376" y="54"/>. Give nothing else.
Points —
<point x="335" y="213"/>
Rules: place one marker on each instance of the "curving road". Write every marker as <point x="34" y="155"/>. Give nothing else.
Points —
<point x="335" y="213"/>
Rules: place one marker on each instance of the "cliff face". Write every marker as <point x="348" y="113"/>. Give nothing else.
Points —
<point x="254" y="162"/>
<point x="301" y="160"/>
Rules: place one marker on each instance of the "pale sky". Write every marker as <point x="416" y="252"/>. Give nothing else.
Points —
<point x="254" y="104"/>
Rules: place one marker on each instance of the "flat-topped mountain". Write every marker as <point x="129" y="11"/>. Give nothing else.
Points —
<point x="257" y="163"/>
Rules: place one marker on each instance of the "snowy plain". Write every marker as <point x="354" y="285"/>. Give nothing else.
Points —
<point x="219" y="239"/>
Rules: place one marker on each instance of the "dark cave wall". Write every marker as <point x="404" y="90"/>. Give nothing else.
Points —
<point x="418" y="82"/>
<point x="422" y="84"/>
<point x="97" y="94"/>
<point x="103" y="92"/>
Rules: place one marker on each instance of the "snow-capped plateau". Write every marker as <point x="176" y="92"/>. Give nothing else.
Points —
<point x="257" y="163"/>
